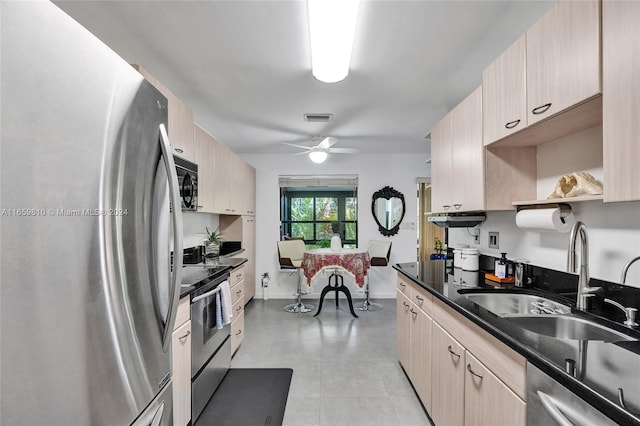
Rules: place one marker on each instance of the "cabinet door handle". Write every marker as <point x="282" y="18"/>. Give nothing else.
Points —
<point x="405" y="305"/>
<point x="473" y="372"/>
<point x="239" y="292"/>
<point x="413" y="312"/>
<point x="239" y="332"/>
<point x="452" y="352"/>
<point x="239" y="308"/>
<point x="181" y="338"/>
<point x="446" y="207"/>
<point x="541" y="109"/>
<point x="457" y="206"/>
<point x="512" y="124"/>
<point x="402" y="285"/>
<point x="420" y="298"/>
<point x="178" y="150"/>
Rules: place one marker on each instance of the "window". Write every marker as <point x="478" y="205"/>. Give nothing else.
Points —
<point x="317" y="214"/>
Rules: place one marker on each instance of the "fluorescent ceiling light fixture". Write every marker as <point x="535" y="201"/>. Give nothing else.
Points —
<point x="332" y="26"/>
<point x="318" y="155"/>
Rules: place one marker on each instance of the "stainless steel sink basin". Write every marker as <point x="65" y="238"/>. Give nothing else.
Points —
<point x="510" y="304"/>
<point x="568" y="327"/>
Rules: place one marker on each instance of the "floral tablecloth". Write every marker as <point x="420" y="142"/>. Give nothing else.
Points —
<point x="355" y="261"/>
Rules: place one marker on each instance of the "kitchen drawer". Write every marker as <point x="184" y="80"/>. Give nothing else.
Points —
<point x="237" y="291"/>
<point x="237" y="332"/>
<point x="404" y="286"/>
<point x="504" y="362"/>
<point x="236" y="276"/>
<point x="237" y="309"/>
<point x="422" y="299"/>
<point x="184" y="311"/>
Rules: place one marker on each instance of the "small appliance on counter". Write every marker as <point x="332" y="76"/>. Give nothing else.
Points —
<point x="228" y="247"/>
<point x="193" y="255"/>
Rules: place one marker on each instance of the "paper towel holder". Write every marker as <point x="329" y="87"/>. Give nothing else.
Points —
<point x="565" y="209"/>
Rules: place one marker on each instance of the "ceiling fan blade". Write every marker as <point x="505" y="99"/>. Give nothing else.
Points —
<point x="297" y="146"/>
<point x="327" y="142"/>
<point x="301" y="153"/>
<point x="343" y="151"/>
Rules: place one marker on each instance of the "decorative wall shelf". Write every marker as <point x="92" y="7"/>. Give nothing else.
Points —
<point x="560" y="200"/>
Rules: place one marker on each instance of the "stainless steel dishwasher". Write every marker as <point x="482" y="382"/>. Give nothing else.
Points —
<point x="549" y="403"/>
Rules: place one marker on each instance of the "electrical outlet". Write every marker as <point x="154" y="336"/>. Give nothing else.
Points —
<point x="494" y="240"/>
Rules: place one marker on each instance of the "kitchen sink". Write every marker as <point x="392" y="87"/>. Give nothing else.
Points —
<point x="568" y="327"/>
<point x="516" y="304"/>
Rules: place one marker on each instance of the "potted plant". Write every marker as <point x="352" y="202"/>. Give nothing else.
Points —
<point x="212" y="243"/>
<point x="441" y="250"/>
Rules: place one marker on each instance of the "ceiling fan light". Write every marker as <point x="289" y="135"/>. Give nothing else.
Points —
<point x="332" y="26"/>
<point x="318" y="155"/>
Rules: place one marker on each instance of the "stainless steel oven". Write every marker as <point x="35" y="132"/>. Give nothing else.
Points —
<point x="210" y="345"/>
<point x="188" y="183"/>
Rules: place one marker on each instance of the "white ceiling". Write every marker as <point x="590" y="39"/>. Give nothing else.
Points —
<point x="245" y="69"/>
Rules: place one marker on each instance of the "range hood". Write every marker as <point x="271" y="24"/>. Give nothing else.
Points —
<point x="457" y="221"/>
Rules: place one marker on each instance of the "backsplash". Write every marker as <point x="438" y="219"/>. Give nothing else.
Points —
<point x="613" y="230"/>
<point x="194" y="225"/>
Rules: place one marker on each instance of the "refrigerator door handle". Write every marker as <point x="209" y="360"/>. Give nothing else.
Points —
<point x="176" y="215"/>
<point x="157" y="418"/>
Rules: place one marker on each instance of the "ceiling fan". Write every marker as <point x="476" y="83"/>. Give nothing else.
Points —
<point x="324" y="147"/>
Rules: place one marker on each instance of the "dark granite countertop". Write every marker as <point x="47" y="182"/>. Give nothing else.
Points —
<point x="607" y="366"/>
<point x="195" y="275"/>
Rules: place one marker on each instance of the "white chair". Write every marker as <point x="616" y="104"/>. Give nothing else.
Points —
<point x="290" y="254"/>
<point x="379" y="253"/>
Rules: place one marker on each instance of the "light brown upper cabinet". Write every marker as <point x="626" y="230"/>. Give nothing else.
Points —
<point x="441" y="170"/>
<point x="504" y="100"/>
<point x="180" y="126"/>
<point x="204" y="157"/>
<point x="457" y="158"/>
<point x="621" y="100"/>
<point x="563" y="58"/>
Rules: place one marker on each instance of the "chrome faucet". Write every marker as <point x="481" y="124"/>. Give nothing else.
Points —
<point x="584" y="290"/>
<point x="626" y="268"/>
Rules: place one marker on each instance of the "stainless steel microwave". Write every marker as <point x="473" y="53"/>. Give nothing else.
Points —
<point x="188" y="183"/>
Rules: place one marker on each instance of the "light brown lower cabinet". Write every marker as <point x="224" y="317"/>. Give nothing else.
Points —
<point x="487" y="400"/>
<point x="447" y="400"/>
<point x="414" y="338"/>
<point x="462" y="374"/>
<point x="236" y="281"/>
<point x="181" y="364"/>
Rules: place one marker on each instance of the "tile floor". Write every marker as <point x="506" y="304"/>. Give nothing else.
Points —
<point x="345" y="369"/>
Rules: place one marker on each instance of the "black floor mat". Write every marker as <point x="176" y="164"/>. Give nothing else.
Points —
<point x="249" y="397"/>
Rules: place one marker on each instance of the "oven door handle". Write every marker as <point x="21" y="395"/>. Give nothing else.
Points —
<point x="207" y="294"/>
<point x="553" y="409"/>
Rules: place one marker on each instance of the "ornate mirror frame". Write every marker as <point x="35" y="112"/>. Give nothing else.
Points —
<point x="388" y="193"/>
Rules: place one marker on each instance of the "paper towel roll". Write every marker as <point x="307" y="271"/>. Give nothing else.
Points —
<point x="544" y="220"/>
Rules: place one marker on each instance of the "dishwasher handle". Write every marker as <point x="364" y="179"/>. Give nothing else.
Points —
<point x="553" y="409"/>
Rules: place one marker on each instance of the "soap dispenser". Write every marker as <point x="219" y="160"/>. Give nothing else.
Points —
<point x="501" y="266"/>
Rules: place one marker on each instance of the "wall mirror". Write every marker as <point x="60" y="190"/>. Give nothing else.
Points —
<point x="388" y="209"/>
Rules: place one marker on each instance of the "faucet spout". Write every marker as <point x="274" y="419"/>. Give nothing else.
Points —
<point x="626" y="269"/>
<point x="584" y="290"/>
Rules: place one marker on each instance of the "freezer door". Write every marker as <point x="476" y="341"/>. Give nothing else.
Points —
<point x="160" y="411"/>
<point x="89" y="292"/>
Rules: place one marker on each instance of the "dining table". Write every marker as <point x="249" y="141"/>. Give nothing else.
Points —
<point x="355" y="261"/>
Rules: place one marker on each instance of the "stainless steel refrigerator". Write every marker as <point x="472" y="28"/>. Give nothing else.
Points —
<point x="89" y="285"/>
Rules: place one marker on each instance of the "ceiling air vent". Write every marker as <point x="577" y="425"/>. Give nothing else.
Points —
<point x="317" y="118"/>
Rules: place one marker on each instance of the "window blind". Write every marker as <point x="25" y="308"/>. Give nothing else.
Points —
<point x="331" y="181"/>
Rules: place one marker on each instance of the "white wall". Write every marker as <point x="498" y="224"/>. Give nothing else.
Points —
<point x="613" y="232"/>
<point x="374" y="171"/>
<point x="194" y="225"/>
